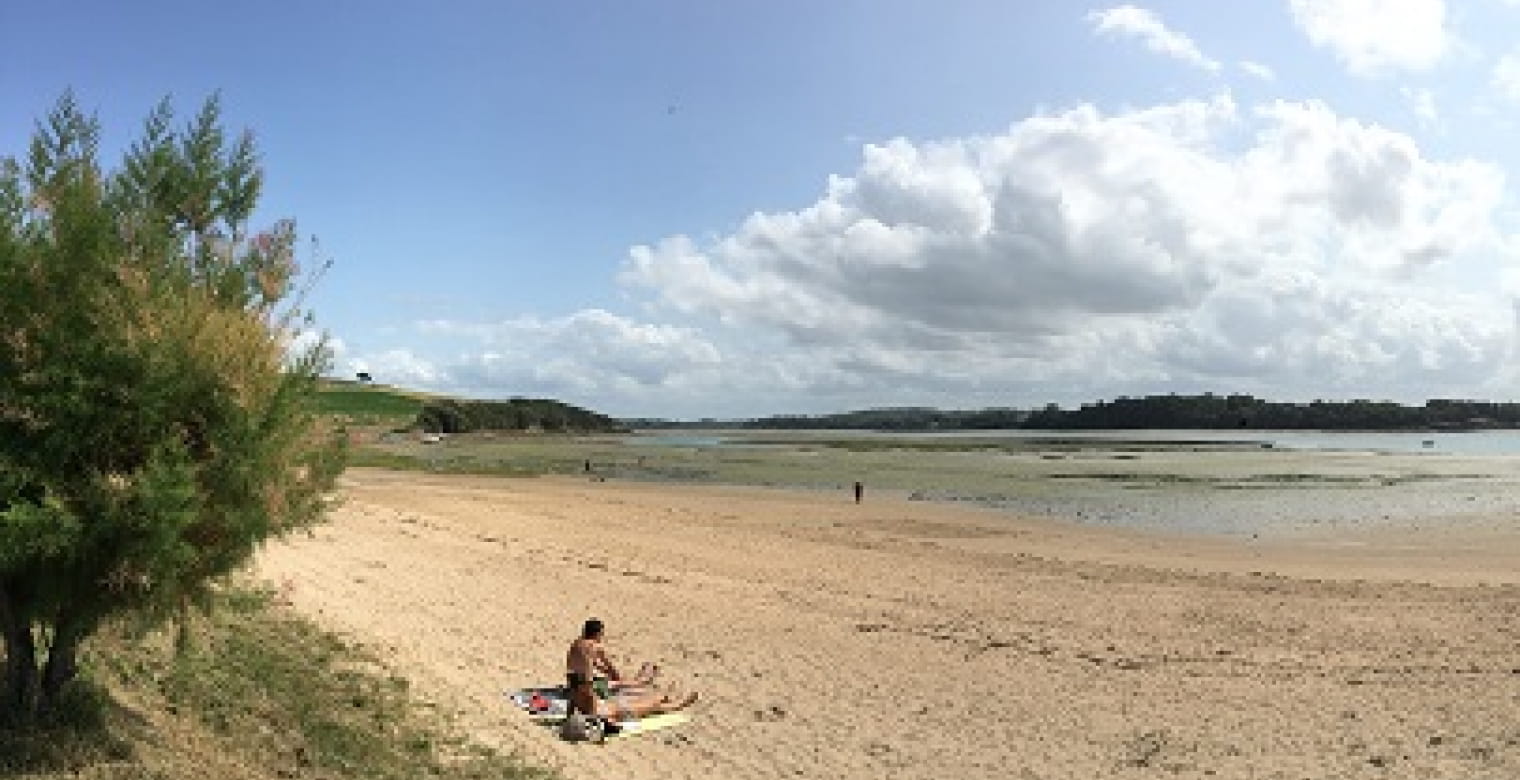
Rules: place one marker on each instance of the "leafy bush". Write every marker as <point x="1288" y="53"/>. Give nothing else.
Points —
<point x="156" y="422"/>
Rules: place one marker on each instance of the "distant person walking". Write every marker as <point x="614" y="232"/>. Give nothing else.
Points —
<point x="860" y="491"/>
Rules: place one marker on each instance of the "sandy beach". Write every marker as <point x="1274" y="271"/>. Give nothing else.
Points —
<point x="914" y="639"/>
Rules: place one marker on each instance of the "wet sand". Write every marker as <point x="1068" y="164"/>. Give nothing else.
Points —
<point x="914" y="639"/>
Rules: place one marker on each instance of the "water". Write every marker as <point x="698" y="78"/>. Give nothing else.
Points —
<point x="1468" y="443"/>
<point x="1446" y="490"/>
<point x="1505" y="442"/>
<point x="678" y="440"/>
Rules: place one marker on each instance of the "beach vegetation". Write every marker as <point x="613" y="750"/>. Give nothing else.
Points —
<point x="157" y="373"/>
<point x="265" y="693"/>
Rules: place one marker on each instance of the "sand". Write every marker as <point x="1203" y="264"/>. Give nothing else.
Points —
<point x="912" y="639"/>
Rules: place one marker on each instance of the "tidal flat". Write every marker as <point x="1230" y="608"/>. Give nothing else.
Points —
<point x="1210" y="483"/>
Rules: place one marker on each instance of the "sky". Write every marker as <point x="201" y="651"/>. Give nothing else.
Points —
<point x="693" y="209"/>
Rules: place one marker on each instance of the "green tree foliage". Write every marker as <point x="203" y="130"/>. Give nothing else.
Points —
<point x="517" y="414"/>
<point x="895" y="419"/>
<point x="1207" y="411"/>
<point x="1245" y="412"/>
<point x="156" y="422"/>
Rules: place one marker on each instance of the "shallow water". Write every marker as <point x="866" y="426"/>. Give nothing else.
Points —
<point x="678" y="440"/>
<point x="1502" y="442"/>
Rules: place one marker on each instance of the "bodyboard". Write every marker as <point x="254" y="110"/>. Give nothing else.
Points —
<point x="554" y="714"/>
<point x="651" y="723"/>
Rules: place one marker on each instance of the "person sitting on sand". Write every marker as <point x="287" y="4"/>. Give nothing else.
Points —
<point x="592" y="694"/>
<point x="587" y="665"/>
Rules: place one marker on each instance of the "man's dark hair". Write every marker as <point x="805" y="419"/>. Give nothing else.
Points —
<point x="592" y="629"/>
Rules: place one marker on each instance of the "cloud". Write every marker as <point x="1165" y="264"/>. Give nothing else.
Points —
<point x="1133" y="22"/>
<point x="589" y="354"/>
<point x="395" y="367"/>
<point x="1279" y="248"/>
<point x="1423" y="103"/>
<point x="1374" y="37"/>
<point x="1258" y="70"/>
<point x="579" y="353"/>
<point x="1506" y="75"/>
<point x="300" y="341"/>
<point x="1350" y="336"/>
<point x="1182" y="245"/>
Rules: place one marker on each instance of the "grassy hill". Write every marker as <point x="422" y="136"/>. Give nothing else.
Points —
<point x="369" y="404"/>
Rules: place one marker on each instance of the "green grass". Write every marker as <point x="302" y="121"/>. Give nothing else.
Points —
<point x="360" y="404"/>
<point x="441" y="461"/>
<point x="82" y="732"/>
<point x="264" y="694"/>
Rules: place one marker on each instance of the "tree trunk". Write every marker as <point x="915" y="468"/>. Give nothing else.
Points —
<point x="184" y="642"/>
<point x="62" y="660"/>
<point x="20" y="685"/>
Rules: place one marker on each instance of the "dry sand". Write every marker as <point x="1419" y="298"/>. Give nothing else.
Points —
<point x="910" y="639"/>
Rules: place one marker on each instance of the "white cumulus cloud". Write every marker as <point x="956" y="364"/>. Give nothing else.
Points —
<point x="1181" y="245"/>
<point x="1506" y="75"/>
<point x="1423" y="103"/>
<point x="401" y="367"/>
<point x="1258" y="70"/>
<point x="1279" y="248"/>
<point x="588" y="356"/>
<point x="1373" y="37"/>
<point x="1144" y="25"/>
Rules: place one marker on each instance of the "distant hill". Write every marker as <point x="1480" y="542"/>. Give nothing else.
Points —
<point x="908" y="418"/>
<point x="1245" y="412"/>
<point x="897" y="419"/>
<point x="362" y="403"/>
<point x="1206" y="411"/>
<point x="515" y="414"/>
<point x="369" y="404"/>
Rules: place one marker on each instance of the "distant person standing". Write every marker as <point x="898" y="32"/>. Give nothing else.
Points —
<point x="860" y="490"/>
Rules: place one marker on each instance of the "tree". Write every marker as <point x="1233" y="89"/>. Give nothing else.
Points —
<point x="156" y="414"/>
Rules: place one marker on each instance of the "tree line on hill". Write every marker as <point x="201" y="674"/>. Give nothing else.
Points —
<point x="896" y="419"/>
<point x="886" y="419"/>
<point x="516" y="414"/>
<point x="1245" y="412"/>
<point x="1207" y="411"/>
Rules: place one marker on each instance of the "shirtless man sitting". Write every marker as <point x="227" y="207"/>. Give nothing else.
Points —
<point x="592" y="694"/>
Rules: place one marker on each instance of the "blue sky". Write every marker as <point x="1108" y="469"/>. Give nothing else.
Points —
<point x="691" y="209"/>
